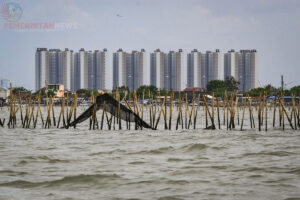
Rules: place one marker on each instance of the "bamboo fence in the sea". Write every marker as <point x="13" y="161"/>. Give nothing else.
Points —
<point x="161" y="109"/>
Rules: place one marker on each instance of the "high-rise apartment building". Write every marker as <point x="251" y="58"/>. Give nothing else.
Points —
<point x="247" y="70"/>
<point x="80" y="70"/>
<point x="231" y="64"/>
<point x="243" y="67"/>
<point x="91" y="71"/>
<point x="102" y="76"/>
<point x="41" y="68"/>
<point x="174" y="73"/>
<point x="194" y="69"/>
<point x="119" y="69"/>
<point x="129" y="69"/>
<point x="167" y="70"/>
<point x="67" y="65"/>
<point x="210" y="67"/>
<point x="98" y="76"/>
<point x="55" y="66"/>
<point x="157" y="69"/>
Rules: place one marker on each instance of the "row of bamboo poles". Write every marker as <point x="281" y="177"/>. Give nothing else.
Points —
<point x="160" y="108"/>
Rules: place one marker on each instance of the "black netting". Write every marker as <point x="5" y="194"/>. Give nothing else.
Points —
<point x="111" y="106"/>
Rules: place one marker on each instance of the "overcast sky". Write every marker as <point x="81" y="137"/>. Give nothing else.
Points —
<point x="270" y="26"/>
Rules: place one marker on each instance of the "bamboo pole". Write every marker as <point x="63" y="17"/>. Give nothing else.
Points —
<point x="119" y="111"/>
<point x="243" y="116"/>
<point x="143" y="103"/>
<point x="171" y="110"/>
<point x="75" y="108"/>
<point x="274" y="111"/>
<point x="103" y="112"/>
<point x="179" y="111"/>
<point x="259" y="113"/>
<point x="287" y="116"/>
<point x="218" y="112"/>
<point x="53" y="113"/>
<point x="196" y="111"/>
<point x="213" y="124"/>
<point x="266" y="113"/>
<point x="186" y="110"/>
<point x="294" y="111"/>
<point x="161" y="110"/>
<point x="165" y="112"/>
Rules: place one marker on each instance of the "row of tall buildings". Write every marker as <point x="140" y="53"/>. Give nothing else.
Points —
<point x="80" y="70"/>
<point x="243" y="67"/>
<point x="129" y="69"/>
<point x="92" y="70"/>
<point x="167" y="70"/>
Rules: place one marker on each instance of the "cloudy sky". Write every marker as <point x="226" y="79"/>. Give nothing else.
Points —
<point x="270" y="26"/>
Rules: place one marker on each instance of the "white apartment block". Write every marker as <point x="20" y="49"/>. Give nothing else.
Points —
<point x="129" y="69"/>
<point x="243" y="67"/>
<point x="67" y="68"/>
<point x="80" y="70"/>
<point x="41" y="68"/>
<point x="194" y="69"/>
<point x="157" y="69"/>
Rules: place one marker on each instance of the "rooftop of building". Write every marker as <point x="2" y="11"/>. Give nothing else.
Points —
<point x="247" y="50"/>
<point x="41" y="49"/>
<point x="54" y="50"/>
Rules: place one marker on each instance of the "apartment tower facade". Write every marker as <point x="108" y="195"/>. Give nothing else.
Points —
<point x="157" y="69"/>
<point x="129" y="69"/>
<point x="174" y="73"/>
<point x="194" y="69"/>
<point x="243" y="66"/>
<point x="80" y="70"/>
<point x="41" y="68"/>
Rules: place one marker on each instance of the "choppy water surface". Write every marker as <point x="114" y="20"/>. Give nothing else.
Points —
<point x="76" y="164"/>
<point x="186" y="164"/>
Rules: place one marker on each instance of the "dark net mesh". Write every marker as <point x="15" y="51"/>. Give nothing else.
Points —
<point x="111" y="106"/>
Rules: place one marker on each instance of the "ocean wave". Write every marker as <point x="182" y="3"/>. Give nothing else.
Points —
<point x="106" y="152"/>
<point x="170" y="198"/>
<point x="194" y="147"/>
<point x="136" y="163"/>
<point x="294" y="171"/>
<point x="72" y="180"/>
<point x="269" y="153"/>
<point x="47" y="158"/>
<point x="155" y="151"/>
<point x="178" y="159"/>
<point x="12" y="173"/>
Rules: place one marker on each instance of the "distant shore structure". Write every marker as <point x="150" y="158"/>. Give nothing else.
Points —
<point x="243" y="66"/>
<point x="202" y="68"/>
<point x="168" y="70"/>
<point x="79" y="70"/>
<point x="129" y="69"/>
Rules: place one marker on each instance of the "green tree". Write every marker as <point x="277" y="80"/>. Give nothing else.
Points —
<point x="86" y="93"/>
<point x="21" y="90"/>
<point x="269" y="90"/>
<point x="295" y="90"/>
<point x="122" y="91"/>
<point x="163" y="92"/>
<point x="146" y="88"/>
<point x="255" y="91"/>
<point x="231" y="84"/>
<point x="218" y="87"/>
